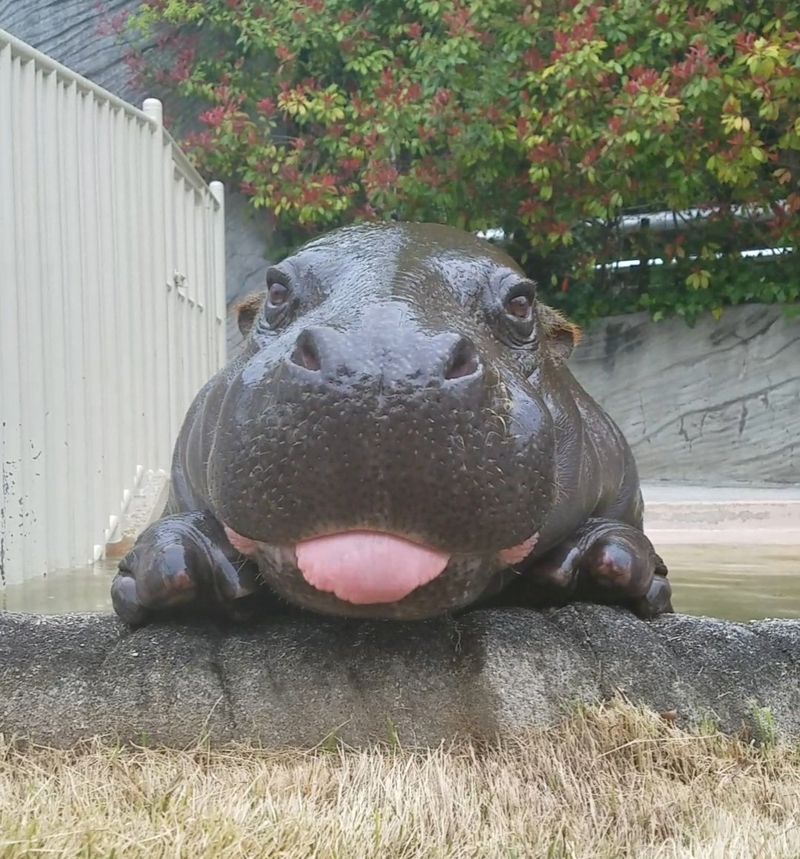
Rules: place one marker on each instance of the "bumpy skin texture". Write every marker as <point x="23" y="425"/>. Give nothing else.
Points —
<point x="400" y="379"/>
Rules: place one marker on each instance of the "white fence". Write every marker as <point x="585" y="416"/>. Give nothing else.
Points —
<point x="112" y="307"/>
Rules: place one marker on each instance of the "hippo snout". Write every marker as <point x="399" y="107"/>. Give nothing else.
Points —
<point x="383" y="438"/>
<point x="424" y="360"/>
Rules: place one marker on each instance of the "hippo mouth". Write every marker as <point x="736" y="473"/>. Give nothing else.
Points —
<point x="366" y="567"/>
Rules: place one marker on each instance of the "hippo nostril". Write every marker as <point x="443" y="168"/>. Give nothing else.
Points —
<point x="306" y="353"/>
<point x="462" y="360"/>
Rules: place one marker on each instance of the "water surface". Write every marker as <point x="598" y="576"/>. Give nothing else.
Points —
<point x="736" y="582"/>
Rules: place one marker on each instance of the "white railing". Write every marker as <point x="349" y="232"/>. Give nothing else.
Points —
<point x="112" y="307"/>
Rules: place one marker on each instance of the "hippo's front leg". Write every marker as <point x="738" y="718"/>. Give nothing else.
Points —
<point x="604" y="561"/>
<point x="180" y="560"/>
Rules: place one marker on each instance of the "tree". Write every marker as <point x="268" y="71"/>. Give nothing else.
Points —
<point x="547" y="119"/>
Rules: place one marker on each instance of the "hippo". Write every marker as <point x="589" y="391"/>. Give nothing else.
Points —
<point x="399" y="438"/>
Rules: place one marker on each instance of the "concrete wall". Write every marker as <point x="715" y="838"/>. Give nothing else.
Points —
<point x="67" y="31"/>
<point x="717" y="403"/>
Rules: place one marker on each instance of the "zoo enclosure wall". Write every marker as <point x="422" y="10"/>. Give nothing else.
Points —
<point x="112" y="307"/>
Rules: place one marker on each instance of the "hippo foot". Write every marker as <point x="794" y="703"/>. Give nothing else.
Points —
<point x="184" y="561"/>
<point x="604" y="561"/>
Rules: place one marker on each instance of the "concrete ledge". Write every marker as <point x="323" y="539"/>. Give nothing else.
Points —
<point x="661" y="536"/>
<point x="295" y="681"/>
<point x="695" y="514"/>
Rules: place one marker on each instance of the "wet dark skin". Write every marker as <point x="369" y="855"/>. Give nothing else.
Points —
<point x="400" y="379"/>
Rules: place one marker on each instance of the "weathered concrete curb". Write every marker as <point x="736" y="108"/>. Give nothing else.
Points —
<point x="729" y="515"/>
<point x="294" y="681"/>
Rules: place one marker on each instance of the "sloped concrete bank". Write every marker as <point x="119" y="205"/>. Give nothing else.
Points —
<point x="295" y="681"/>
<point x="713" y="404"/>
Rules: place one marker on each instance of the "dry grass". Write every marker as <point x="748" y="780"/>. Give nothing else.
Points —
<point x="610" y="782"/>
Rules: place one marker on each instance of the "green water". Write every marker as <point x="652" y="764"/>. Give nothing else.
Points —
<point x="737" y="582"/>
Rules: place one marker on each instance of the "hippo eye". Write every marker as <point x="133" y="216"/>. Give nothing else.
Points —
<point x="519" y="306"/>
<point x="277" y="294"/>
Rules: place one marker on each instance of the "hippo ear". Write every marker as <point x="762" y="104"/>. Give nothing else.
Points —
<point x="246" y="311"/>
<point x="561" y="335"/>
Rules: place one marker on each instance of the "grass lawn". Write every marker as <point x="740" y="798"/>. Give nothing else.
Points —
<point x="611" y="781"/>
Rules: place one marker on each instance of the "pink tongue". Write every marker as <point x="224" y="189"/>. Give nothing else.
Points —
<point x="364" y="567"/>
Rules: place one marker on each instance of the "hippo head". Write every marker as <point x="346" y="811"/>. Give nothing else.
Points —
<point x="383" y="445"/>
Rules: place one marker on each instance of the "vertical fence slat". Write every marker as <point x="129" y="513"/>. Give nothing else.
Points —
<point x="172" y="356"/>
<point x="177" y="354"/>
<point x="128" y="344"/>
<point x="11" y="489"/>
<point x="192" y="296"/>
<point x="101" y="346"/>
<point x="53" y="320"/>
<point x="206" y="300"/>
<point x="93" y="322"/>
<point x="217" y="189"/>
<point x="114" y="474"/>
<point x="160" y="415"/>
<point x="123" y="285"/>
<point x="136" y="396"/>
<point x="141" y="293"/>
<point x="149" y="291"/>
<point x="76" y="449"/>
<point x="33" y="467"/>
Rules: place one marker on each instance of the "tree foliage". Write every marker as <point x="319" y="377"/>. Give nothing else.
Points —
<point x="547" y="119"/>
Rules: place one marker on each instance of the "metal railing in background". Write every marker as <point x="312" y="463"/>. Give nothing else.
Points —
<point x="112" y="307"/>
